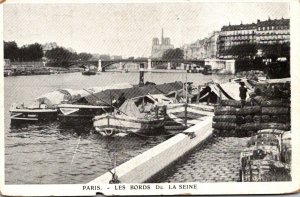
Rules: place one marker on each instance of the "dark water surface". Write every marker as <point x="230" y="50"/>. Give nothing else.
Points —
<point x="51" y="154"/>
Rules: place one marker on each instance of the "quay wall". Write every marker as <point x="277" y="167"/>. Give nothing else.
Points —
<point x="144" y="166"/>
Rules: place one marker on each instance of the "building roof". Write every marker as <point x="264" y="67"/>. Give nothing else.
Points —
<point x="238" y="27"/>
<point x="274" y="22"/>
<point x="269" y="22"/>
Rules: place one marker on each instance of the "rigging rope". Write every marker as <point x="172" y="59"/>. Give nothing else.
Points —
<point x="75" y="149"/>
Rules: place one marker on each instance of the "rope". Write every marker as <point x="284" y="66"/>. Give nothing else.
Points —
<point x="75" y="150"/>
<point x="105" y="102"/>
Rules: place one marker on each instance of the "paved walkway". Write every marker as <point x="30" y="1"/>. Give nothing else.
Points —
<point x="217" y="160"/>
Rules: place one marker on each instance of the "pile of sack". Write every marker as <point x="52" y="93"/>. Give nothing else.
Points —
<point x="232" y="120"/>
<point x="252" y="74"/>
<point x="267" y="157"/>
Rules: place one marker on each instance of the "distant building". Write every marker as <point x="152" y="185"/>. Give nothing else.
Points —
<point x="273" y="31"/>
<point x="232" y="35"/>
<point x="202" y="49"/>
<point x="159" y="49"/>
<point x="212" y="45"/>
<point x="116" y="57"/>
<point x="262" y="32"/>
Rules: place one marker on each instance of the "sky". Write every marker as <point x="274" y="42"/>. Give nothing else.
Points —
<point x="127" y="29"/>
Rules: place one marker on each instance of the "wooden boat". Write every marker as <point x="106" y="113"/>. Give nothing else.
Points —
<point x="43" y="108"/>
<point x="94" y="101"/>
<point x="89" y="72"/>
<point x="18" y="114"/>
<point x="182" y="115"/>
<point x="79" y="114"/>
<point x="141" y="114"/>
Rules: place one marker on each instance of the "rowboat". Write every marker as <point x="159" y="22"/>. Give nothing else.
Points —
<point x="137" y="115"/>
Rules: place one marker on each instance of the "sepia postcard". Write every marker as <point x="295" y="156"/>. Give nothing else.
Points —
<point x="177" y="97"/>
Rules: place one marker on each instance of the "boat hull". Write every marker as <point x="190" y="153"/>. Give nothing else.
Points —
<point x="31" y="116"/>
<point x="79" y="114"/>
<point x="89" y="72"/>
<point x="109" y="125"/>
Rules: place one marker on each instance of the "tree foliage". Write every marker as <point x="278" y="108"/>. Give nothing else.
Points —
<point x="173" y="54"/>
<point x="61" y="55"/>
<point x="11" y="50"/>
<point x="85" y="56"/>
<point x="31" y="52"/>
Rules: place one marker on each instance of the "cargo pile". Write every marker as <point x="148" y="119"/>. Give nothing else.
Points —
<point x="267" y="157"/>
<point x="252" y="74"/>
<point x="268" y="107"/>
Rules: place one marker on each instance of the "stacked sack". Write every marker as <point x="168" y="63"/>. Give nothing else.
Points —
<point x="232" y="120"/>
<point x="267" y="157"/>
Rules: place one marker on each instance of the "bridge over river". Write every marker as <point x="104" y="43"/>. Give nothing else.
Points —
<point x="120" y="64"/>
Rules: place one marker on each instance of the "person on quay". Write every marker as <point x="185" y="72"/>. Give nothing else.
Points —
<point x="243" y="94"/>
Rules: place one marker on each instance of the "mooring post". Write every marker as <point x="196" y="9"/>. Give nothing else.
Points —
<point x="141" y="83"/>
<point x="198" y="94"/>
<point x="185" y="114"/>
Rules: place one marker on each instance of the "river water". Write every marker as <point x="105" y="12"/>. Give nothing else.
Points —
<point x="50" y="154"/>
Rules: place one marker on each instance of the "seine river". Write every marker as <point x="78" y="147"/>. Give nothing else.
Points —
<point x="50" y="154"/>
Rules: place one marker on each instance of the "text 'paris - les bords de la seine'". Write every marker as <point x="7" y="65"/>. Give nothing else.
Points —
<point x="139" y="187"/>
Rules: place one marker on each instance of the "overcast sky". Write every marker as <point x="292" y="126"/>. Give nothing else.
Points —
<point x="127" y="29"/>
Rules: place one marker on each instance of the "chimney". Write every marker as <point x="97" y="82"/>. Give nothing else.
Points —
<point x="258" y="20"/>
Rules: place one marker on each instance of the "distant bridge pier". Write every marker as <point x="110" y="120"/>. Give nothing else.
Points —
<point x="169" y="65"/>
<point x="100" y="66"/>
<point x="149" y="64"/>
<point x="182" y="66"/>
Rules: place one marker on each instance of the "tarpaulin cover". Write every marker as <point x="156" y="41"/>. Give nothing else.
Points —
<point x="105" y="97"/>
<point x="130" y="109"/>
<point x="51" y="99"/>
<point x="231" y="90"/>
<point x="110" y="87"/>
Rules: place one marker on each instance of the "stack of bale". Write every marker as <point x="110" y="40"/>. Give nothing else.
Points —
<point x="267" y="157"/>
<point x="232" y="120"/>
<point x="252" y="74"/>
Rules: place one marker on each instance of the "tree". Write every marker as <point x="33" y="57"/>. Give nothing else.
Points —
<point x="11" y="50"/>
<point x="85" y="56"/>
<point x="61" y="56"/>
<point x="173" y="54"/>
<point x="32" y="52"/>
<point x="104" y="57"/>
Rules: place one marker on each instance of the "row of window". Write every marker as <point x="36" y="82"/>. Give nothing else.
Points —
<point x="273" y="33"/>
<point x="273" y="42"/>
<point x="239" y="32"/>
<point x="274" y="37"/>
<point x="239" y="37"/>
<point x="252" y="31"/>
<point x="273" y="27"/>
